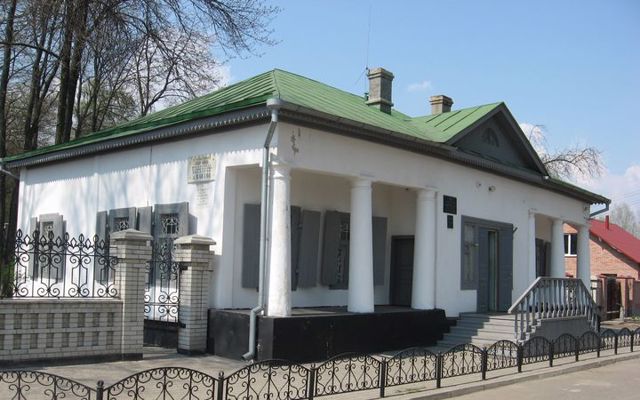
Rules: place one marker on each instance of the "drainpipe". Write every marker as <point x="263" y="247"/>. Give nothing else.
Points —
<point x="273" y="105"/>
<point x="8" y="173"/>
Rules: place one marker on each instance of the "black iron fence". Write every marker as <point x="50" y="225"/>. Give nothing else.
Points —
<point x="162" y="290"/>
<point x="281" y="380"/>
<point x="45" y="266"/>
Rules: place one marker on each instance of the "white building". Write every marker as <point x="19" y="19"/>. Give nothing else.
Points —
<point x="367" y="206"/>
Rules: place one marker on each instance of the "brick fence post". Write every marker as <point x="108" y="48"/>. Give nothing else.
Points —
<point x="195" y="258"/>
<point x="133" y="251"/>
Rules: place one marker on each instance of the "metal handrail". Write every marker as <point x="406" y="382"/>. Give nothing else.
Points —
<point x="552" y="298"/>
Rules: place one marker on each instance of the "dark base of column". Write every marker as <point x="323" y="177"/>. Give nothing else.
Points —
<point x="316" y="334"/>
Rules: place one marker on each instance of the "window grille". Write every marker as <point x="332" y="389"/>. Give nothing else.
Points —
<point x="170" y="224"/>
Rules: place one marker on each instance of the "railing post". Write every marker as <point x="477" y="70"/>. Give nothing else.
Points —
<point x="484" y="355"/>
<point x="551" y="344"/>
<point x="577" y="342"/>
<point x="383" y="376"/>
<point x="615" y="344"/>
<point x="520" y="357"/>
<point x="599" y="345"/>
<point x="439" y="370"/>
<point x="220" y="388"/>
<point x="633" y="335"/>
<point x="311" y="389"/>
<point x="100" y="390"/>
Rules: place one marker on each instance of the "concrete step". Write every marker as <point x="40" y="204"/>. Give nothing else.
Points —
<point x="473" y="318"/>
<point x="473" y="331"/>
<point x="488" y="316"/>
<point x="484" y="327"/>
<point x="493" y="337"/>
<point x="482" y="330"/>
<point x="449" y="343"/>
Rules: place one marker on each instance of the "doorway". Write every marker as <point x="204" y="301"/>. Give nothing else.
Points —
<point x="487" y="263"/>
<point x="401" y="270"/>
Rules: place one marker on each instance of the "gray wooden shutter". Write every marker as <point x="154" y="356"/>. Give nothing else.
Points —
<point x="145" y="218"/>
<point x="505" y="269"/>
<point x="101" y="224"/>
<point x="251" y="246"/>
<point x="55" y="268"/>
<point x="483" y="270"/>
<point x="379" y="249"/>
<point x="331" y="242"/>
<point x="308" y="255"/>
<point x="296" y="225"/>
<point x="128" y="213"/>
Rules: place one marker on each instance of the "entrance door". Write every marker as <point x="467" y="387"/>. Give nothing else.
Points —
<point x="401" y="270"/>
<point x="494" y="264"/>
<point x="488" y="282"/>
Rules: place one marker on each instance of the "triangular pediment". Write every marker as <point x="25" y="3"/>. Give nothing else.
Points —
<point x="499" y="139"/>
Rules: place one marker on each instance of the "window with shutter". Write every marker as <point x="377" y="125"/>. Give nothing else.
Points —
<point x="251" y="247"/>
<point x="46" y="264"/>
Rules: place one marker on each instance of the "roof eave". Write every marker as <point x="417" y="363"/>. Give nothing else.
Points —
<point x="172" y="132"/>
<point x="440" y="150"/>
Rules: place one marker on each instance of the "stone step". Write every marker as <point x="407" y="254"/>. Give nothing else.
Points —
<point x="477" y="321"/>
<point x="449" y="343"/>
<point x="494" y="337"/>
<point x="488" y="317"/>
<point x="482" y="330"/>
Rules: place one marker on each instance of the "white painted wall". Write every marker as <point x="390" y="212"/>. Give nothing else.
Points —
<point x="146" y="176"/>
<point x="322" y="165"/>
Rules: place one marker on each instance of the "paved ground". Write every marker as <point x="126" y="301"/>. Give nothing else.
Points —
<point x="617" y="324"/>
<point x="154" y="357"/>
<point x="619" y="381"/>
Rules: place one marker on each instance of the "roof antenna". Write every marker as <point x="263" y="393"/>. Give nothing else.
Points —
<point x="366" y="60"/>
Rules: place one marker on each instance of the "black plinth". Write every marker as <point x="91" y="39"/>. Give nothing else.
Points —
<point x="315" y="334"/>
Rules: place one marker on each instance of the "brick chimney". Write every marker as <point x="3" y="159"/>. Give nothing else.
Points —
<point x="380" y="89"/>
<point x="440" y="104"/>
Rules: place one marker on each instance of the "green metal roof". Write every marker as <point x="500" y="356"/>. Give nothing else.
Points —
<point x="304" y="92"/>
<point x="291" y="88"/>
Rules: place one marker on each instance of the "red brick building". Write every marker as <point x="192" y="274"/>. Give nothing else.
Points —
<point x="615" y="266"/>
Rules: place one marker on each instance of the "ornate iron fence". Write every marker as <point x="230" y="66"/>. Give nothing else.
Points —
<point x="275" y="379"/>
<point x="27" y="385"/>
<point x="161" y="383"/>
<point x="281" y="380"/>
<point x="57" y="267"/>
<point x="347" y="373"/>
<point x="162" y="289"/>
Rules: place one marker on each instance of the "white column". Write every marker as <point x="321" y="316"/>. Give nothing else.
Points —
<point x="532" y="247"/>
<point x="584" y="256"/>
<point x="423" y="292"/>
<point x="360" y="297"/>
<point x="279" y="286"/>
<point x="557" y="249"/>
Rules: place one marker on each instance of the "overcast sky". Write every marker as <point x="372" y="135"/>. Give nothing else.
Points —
<point x="572" y="66"/>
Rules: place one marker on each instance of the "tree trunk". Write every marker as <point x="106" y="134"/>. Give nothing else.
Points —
<point x="65" y="61"/>
<point x="4" y="84"/>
